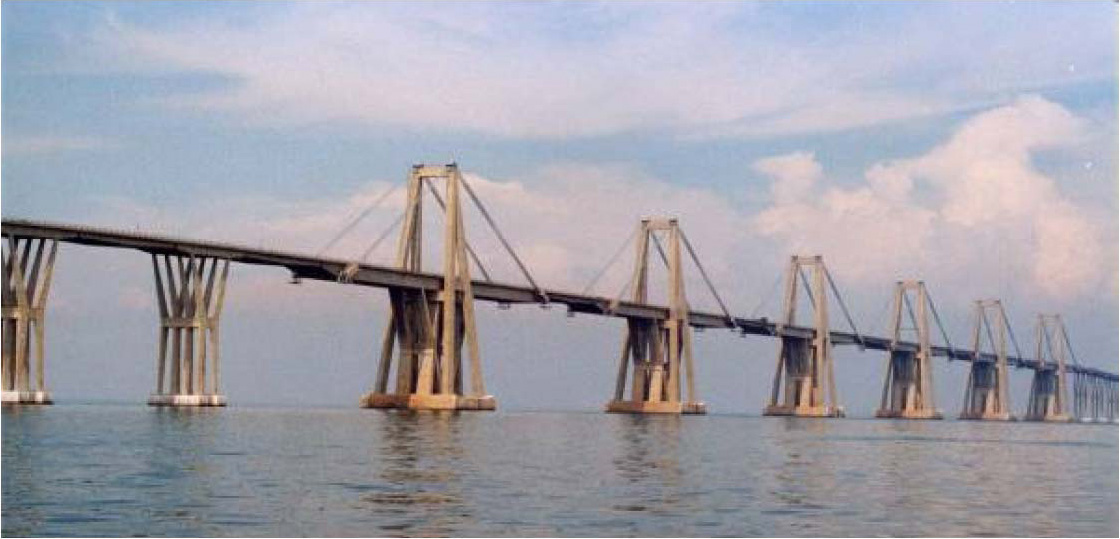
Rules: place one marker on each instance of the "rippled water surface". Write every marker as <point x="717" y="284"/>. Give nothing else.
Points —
<point x="131" y="470"/>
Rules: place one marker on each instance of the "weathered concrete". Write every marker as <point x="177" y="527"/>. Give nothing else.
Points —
<point x="909" y="414"/>
<point x="986" y="416"/>
<point x="908" y="384"/>
<point x="27" y="268"/>
<point x="187" y="400"/>
<point x="1045" y="402"/>
<point x="803" y="378"/>
<point x="428" y="402"/>
<point x="190" y="293"/>
<point x="25" y="397"/>
<point x="1048" y="399"/>
<point x="427" y="331"/>
<point x="804" y="411"/>
<point x="985" y="396"/>
<point x="661" y="407"/>
<point x="656" y="349"/>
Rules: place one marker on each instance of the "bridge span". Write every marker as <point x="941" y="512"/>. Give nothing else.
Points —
<point x="429" y="326"/>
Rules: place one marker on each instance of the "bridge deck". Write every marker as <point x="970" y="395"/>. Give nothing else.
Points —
<point x="329" y="269"/>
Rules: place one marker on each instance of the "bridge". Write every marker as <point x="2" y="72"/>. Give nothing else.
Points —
<point x="432" y="320"/>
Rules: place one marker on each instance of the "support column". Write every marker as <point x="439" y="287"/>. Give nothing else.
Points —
<point x="1095" y="399"/>
<point x="804" y="366"/>
<point x="429" y="328"/>
<point x="1077" y="407"/>
<point x="1112" y="400"/>
<point x="985" y="397"/>
<point x="190" y="309"/>
<point x="908" y="385"/>
<point x="28" y="266"/>
<point x="1048" y="400"/>
<point x="656" y="348"/>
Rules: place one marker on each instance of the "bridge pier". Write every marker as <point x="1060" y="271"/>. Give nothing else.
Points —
<point x="1108" y="395"/>
<point x="1048" y="396"/>
<point x="657" y="348"/>
<point x="985" y="396"/>
<point x="1076" y="402"/>
<point x="1045" y="402"/>
<point x="908" y="385"/>
<point x="27" y="282"/>
<point x="189" y="309"/>
<point x="429" y="331"/>
<point x="803" y="378"/>
<point x="1095" y="398"/>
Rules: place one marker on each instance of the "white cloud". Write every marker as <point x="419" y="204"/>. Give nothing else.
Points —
<point x="550" y="71"/>
<point x="987" y="212"/>
<point x="973" y="215"/>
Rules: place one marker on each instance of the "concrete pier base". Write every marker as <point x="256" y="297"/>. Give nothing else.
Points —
<point x="428" y="402"/>
<point x="25" y="397"/>
<point x="909" y="414"/>
<point x="187" y="400"/>
<point x="986" y="416"/>
<point x="1050" y="418"/>
<point x="648" y="407"/>
<point x="803" y="411"/>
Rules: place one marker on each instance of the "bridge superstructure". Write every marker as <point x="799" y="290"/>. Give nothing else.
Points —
<point x="189" y="305"/>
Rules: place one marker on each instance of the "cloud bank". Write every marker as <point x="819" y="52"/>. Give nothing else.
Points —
<point x="974" y="208"/>
<point x="590" y="69"/>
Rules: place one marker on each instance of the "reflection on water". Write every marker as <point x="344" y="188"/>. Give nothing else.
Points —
<point x="647" y="461"/>
<point x="422" y="460"/>
<point x="649" y="448"/>
<point x="125" y="470"/>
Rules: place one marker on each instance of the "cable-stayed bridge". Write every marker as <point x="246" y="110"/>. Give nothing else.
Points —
<point x="422" y="363"/>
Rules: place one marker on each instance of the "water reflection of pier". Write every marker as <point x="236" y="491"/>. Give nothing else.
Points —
<point x="422" y="456"/>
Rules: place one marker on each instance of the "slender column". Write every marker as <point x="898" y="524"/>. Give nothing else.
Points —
<point x="986" y="394"/>
<point x="657" y="348"/>
<point x="908" y="385"/>
<point x="429" y="333"/>
<point x="804" y="365"/>
<point x="190" y="294"/>
<point x="28" y="265"/>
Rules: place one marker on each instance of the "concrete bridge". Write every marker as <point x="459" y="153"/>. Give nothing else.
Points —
<point x="432" y="320"/>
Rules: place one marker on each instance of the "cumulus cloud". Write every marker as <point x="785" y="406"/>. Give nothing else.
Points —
<point x="986" y="212"/>
<point x="556" y="71"/>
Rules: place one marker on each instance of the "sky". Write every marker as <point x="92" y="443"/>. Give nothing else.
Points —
<point x="970" y="145"/>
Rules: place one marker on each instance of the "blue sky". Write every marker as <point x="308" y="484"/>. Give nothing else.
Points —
<point x="972" y="145"/>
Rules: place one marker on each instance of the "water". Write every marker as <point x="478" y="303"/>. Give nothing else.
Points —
<point x="131" y="470"/>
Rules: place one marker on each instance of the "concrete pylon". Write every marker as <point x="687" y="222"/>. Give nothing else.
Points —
<point x="190" y="292"/>
<point x="803" y="378"/>
<point x="908" y="385"/>
<point x="1048" y="399"/>
<point x="427" y="330"/>
<point x="986" y="396"/>
<point x="27" y="283"/>
<point x="656" y="349"/>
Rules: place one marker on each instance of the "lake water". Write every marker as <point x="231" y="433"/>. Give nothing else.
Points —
<point x="133" y="470"/>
